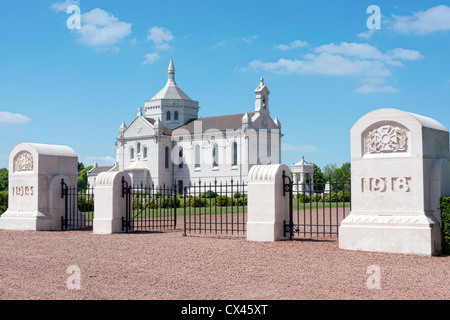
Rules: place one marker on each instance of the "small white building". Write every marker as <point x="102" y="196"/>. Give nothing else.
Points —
<point x="168" y="143"/>
<point x="299" y="172"/>
<point x="95" y="171"/>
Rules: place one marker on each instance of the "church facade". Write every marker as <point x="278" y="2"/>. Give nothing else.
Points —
<point x="168" y="143"/>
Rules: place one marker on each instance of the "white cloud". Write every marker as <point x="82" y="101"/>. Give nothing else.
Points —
<point x="102" y="161"/>
<point x="102" y="29"/>
<point x="220" y="43"/>
<point x="151" y="58"/>
<point x="325" y="64"/>
<point x="63" y="5"/>
<point x="250" y="38"/>
<point x="423" y="22"/>
<point x="403" y="54"/>
<point x="358" y="50"/>
<point x="367" y="34"/>
<point x="294" y="44"/>
<point x="359" y="60"/>
<point x="370" y="88"/>
<point x="287" y="147"/>
<point x="160" y="37"/>
<point x="13" y="118"/>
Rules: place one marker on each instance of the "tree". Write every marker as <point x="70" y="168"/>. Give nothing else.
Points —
<point x="343" y="173"/>
<point x="328" y="171"/>
<point x="318" y="179"/>
<point x="3" y="179"/>
<point x="82" y="176"/>
<point x="342" y="176"/>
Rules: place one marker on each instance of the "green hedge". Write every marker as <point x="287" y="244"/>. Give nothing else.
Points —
<point x="445" y="212"/>
<point x="3" y="201"/>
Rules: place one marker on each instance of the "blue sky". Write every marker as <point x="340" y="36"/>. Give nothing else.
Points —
<point x="324" y="67"/>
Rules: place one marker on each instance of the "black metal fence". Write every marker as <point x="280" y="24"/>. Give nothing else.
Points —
<point x="218" y="208"/>
<point x="317" y="209"/>
<point x="78" y="207"/>
<point x="150" y="208"/>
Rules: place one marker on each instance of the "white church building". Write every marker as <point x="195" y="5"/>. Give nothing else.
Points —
<point x="168" y="143"/>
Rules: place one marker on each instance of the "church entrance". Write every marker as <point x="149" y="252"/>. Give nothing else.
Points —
<point x="180" y="186"/>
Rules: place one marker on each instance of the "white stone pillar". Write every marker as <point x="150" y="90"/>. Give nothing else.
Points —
<point x="295" y="182"/>
<point x="35" y="173"/>
<point x="268" y="208"/>
<point x="400" y="169"/>
<point x="109" y="205"/>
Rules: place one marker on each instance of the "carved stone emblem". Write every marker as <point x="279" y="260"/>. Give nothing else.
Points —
<point x="23" y="162"/>
<point x="387" y="139"/>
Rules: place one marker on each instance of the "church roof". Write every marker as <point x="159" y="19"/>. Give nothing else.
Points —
<point x="165" y="130"/>
<point x="137" y="166"/>
<point x="171" y="90"/>
<point x="221" y="123"/>
<point x="100" y="169"/>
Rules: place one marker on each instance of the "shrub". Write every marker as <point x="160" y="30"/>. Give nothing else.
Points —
<point x="303" y="198"/>
<point x="209" y="194"/>
<point x="137" y="204"/>
<point x="238" y="195"/>
<point x="3" y="201"/>
<point x="445" y="214"/>
<point x="197" y="202"/>
<point x="151" y="204"/>
<point x="85" y="204"/>
<point x="169" y="202"/>
<point x="317" y="197"/>
<point x="331" y="197"/>
<point x="223" y="201"/>
<point x="344" y="196"/>
<point x="241" y="200"/>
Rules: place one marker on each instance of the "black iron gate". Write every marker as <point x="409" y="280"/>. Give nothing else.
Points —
<point x="78" y="207"/>
<point x="316" y="209"/>
<point x="149" y="208"/>
<point x="215" y="208"/>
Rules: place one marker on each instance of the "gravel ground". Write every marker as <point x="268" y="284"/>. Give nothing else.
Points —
<point x="167" y="266"/>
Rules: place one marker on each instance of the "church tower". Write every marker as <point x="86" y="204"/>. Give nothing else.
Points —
<point x="262" y="99"/>
<point x="171" y="105"/>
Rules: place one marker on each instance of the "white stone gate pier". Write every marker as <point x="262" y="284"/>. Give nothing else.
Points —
<point x="34" y="193"/>
<point x="400" y="169"/>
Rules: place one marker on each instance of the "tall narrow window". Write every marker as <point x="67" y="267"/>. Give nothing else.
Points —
<point x="138" y="148"/>
<point x="132" y="154"/>
<point x="215" y="155"/>
<point x="197" y="156"/>
<point x="168" y="117"/>
<point x="180" y="155"/>
<point x="234" y="150"/>
<point x="145" y="152"/>
<point x="166" y="158"/>
<point x="175" y="116"/>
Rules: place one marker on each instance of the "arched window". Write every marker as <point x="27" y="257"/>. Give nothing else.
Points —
<point x="138" y="148"/>
<point x="145" y="152"/>
<point x="175" y="116"/>
<point x="197" y="156"/>
<point x="168" y="117"/>
<point x="215" y="155"/>
<point x="166" y="158"/>
<point x="234" y="153"/>
<point x="180" y="155"/>
<point x="132" y="154"/>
